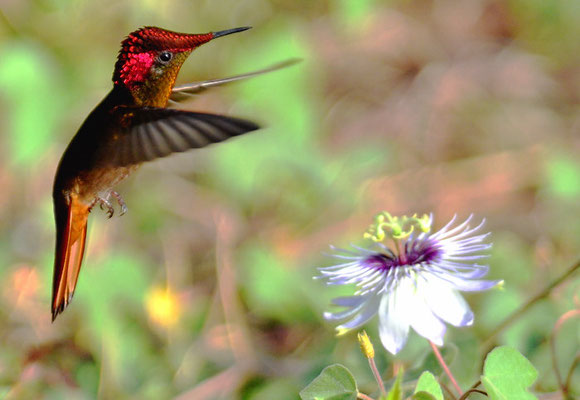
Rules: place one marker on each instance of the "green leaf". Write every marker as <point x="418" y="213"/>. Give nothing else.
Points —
<point x="428" y="383"/>
<point x="395" y="393"/>
<point x="423" y="396"/>
<point x="335" y="382"/>
<point x="507" y="375"/>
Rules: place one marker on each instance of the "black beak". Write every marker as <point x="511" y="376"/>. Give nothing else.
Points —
<point x="230" y="31"/>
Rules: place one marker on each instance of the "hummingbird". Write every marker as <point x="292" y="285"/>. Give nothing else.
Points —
<point x="130" y="126"/>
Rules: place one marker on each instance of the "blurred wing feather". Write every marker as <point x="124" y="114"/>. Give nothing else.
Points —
<point x="152" y="133"/>
<point x="183" y="92"/>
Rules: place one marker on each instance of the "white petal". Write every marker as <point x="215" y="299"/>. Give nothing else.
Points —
<point x="421" y="318"/>
<point x="342" y="315"/>
<point x="349" y="301"/>
<point x="367" y="311"/>
<point x="393" y="325"/>
<point x="467" y="285"/>
<point x="446" y="303"/>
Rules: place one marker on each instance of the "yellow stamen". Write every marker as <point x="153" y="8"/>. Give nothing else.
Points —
<point x="396" y="227"/>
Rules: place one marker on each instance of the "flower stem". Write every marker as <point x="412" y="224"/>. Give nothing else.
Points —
<point x="377" y="376"/>
<point x="564" y="387"/>
<point x="473" y="389"/>
<point x="363" y="396"/>
<point x="575" y="363"/>
<point x="520" y="311"/>
<point x="445" y="367"/>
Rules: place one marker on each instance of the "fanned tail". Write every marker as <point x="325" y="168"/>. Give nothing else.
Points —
<point x="71" y="231"/>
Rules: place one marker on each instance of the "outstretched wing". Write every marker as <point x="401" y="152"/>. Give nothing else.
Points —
<point x="148" y="133"/>
<point x="183" y="92"/>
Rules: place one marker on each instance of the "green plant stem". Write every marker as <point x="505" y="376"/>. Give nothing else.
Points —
<point x="519" y="312"/>
<point x="472" y="389"/>
<point x="466" y="394"/>
<point x="446" y="389"/>
<point x="445" y="367"/>
<point x="572" y="368"/>
<point x="564" y="387"/>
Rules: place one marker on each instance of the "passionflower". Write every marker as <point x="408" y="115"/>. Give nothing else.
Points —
<point x="415" y="283"/>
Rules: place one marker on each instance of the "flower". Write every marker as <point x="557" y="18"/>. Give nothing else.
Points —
<point x="163" y="306"/>
<point x="415" y="285"/>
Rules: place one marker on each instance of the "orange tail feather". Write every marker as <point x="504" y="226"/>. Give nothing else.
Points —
<point x="71" y="230"/>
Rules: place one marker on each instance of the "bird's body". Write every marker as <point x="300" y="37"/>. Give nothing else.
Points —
<point x="81" y="171"/>
<point x="130" y="126"/>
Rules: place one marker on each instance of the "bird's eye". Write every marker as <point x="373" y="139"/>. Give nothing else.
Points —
<point x="165" y="57"/>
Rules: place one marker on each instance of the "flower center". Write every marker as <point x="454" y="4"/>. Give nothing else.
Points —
<point x="414" y="253"/>
<point x="381" y="262"/>
<point x="422" y="252"/>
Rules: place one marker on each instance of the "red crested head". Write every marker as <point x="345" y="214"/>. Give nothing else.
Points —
<point x="140" y="49"/>
<point x="151" y="47"/>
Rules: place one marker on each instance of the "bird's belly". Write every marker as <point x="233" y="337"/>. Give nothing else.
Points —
<point x="99" y="182"/>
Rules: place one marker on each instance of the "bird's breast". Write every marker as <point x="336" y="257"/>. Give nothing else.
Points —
<point x="98" y="182"/>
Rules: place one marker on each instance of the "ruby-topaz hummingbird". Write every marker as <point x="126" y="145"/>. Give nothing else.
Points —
<point x="130" y="126"/>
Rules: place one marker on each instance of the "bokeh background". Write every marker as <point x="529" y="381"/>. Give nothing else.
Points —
<point x="204" y="289"/>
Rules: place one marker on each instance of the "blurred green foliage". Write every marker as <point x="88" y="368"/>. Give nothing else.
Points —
<point x="564" y="177"/>
<point x="29" y="88"/>
<point x="204" y="289"/>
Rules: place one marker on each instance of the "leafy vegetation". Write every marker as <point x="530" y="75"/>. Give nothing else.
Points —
<point x="204" y="288"/>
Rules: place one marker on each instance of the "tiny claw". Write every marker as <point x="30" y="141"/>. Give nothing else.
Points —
<point x="121" y="202"/>
<point x="104" y="203"/>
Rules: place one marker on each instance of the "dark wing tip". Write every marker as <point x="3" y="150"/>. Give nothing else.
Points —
<point x="159" y="132"/>
<point x="245" y="125"/>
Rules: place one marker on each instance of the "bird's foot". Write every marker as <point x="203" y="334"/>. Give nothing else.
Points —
<point x="105" y="204"/>
<point x="121" y="202"/>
